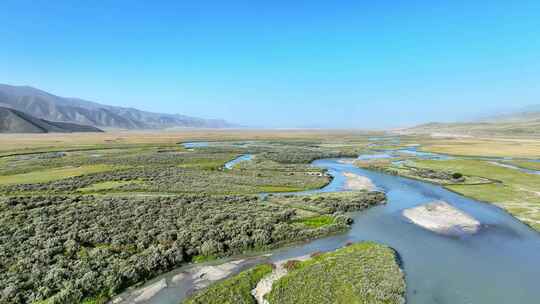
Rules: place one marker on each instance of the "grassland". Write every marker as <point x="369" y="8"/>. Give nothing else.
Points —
<point x="498" y="147"/>
<point x="511" y="126"/>
<point x="360" y="273"/>
<point x="316" y="221"/>
<point x="234" y="290"/>
<point x="525" y="164"/>
<point x="33" y="143"/>
<point x="53" y="174"/>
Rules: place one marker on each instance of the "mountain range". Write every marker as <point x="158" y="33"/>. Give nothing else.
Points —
<point x="47" y="106"/>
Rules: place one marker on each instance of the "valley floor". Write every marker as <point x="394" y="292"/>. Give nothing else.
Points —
<point x="84" y="217"/>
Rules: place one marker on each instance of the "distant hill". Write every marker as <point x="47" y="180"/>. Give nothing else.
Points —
<point x="529" y="113"/>
<point x="523" y="122"/>
<point x="47" y="106"/>
<point x="13" y="121"/>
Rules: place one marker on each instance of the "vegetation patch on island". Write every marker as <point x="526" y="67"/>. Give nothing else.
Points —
<point x="359" y="273"/>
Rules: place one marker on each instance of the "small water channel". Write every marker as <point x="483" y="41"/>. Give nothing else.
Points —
<point x="230" y="164"/>
<point x="500" y="264"/>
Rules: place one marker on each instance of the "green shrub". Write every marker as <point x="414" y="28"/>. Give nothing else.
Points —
<point x="457" y="175"/>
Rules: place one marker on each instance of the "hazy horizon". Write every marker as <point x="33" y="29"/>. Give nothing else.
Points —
<point x="281" y="65"/>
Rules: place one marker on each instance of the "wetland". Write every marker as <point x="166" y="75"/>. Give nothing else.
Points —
<point x="166" y="223"/>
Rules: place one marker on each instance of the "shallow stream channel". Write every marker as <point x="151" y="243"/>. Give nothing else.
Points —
<point x="498" y="264"/>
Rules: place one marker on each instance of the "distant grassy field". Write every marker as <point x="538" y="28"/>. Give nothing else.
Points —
<point x="526" y="148"/>
<point x="52" y="174"/>
<point x="357" y="274"/>
<point x="29" y="143"/>
<point x="518" y="192"/>
<point x="525" y="164"/>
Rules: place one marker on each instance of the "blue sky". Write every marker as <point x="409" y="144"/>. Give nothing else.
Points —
<point x="363" y="64"/>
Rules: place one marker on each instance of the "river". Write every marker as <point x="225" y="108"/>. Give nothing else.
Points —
<point x="500" y="264"/>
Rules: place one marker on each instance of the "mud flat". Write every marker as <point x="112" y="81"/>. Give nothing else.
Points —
<point x="441" y="217"/>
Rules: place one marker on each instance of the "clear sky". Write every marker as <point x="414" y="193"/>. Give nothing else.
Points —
<point x="365" y="64"/>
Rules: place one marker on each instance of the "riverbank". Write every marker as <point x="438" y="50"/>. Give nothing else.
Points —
<point x="236" y="289"/>
<point x="347" y="275"/>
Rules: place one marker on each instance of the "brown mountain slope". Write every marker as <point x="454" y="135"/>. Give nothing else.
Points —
<point x="13" y="121"/>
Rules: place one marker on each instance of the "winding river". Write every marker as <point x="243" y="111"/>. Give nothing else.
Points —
<point x="500" y="264"/>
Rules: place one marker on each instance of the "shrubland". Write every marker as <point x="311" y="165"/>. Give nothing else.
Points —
<point x="66" y="248"/>
<point x="148" y="209"/>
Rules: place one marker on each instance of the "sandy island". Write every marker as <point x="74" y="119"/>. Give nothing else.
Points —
<point x="442" y="218"/>
<point x="358" y="182"/>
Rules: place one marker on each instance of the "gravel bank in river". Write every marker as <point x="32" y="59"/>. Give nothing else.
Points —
<point x="358" y="182"/>
<point x="442" y="218"/>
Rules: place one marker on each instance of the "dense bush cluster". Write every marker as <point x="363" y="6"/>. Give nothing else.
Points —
<point x="304" y="156"/>
<point x="127" y="158"/>
<point x="66" y="248"/>
<point x="171" y="179"/>
<point x="163" y="206"/>
<point x="433" y="174"/>
<point x="285" y="152"/>
<point x="170" y="171"/>
<point x="329" y="203"/>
